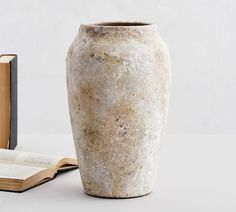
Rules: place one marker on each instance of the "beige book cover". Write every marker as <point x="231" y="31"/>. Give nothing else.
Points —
<point x="4" y="103"/>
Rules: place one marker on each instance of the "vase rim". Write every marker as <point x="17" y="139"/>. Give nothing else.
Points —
<point x="122" y="24"/>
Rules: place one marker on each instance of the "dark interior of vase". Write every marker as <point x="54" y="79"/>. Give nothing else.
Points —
<point x="122" y="24"/>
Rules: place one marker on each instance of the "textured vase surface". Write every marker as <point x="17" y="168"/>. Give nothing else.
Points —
<point x="118" y="87"/>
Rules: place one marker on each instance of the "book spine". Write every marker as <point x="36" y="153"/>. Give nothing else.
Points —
<point x="4" y="105"/>
<point x="13" y="104"/>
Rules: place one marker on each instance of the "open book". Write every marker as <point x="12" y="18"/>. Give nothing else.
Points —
<point x="20" y="171"/>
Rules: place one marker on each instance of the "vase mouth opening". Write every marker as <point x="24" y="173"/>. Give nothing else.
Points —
<point x="120" y="24"/>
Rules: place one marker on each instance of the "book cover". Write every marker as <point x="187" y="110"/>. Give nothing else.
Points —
<point x="8" y="101"/>
<point x="13" y="103"/>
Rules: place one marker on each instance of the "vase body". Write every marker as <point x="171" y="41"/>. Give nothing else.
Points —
<point x="118" y="87"/>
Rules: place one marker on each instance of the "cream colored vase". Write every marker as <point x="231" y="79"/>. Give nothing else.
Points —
<point x="118" y="87"/>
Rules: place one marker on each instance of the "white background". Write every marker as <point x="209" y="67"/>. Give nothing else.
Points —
<point x="201" y="36"/>
<point x="197" y="172"/>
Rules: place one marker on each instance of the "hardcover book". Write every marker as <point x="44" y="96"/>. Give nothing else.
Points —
<point x="8" y="101"/>
<point x="20" y="171"/>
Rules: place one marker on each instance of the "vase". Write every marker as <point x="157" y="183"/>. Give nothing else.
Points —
<point x="118" y="87"/>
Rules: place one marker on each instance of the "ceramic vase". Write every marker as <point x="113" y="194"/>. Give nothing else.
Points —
<point x="118" y="86"/>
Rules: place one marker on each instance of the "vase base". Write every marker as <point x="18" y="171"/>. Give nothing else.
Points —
<point x="116" y="197"/>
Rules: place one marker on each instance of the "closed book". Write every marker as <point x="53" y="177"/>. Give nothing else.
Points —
<point x="8" y="101"/>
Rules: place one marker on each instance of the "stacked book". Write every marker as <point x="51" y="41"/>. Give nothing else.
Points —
<point x="8" y="101"/>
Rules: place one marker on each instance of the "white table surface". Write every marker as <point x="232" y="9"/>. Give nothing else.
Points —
<point x="196" y="173"/>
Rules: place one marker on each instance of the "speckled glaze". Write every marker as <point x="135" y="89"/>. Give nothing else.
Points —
<point x="118" y="86"/>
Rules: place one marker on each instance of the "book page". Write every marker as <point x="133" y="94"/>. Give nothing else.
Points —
<point x="20" y="172"/>
<point x="28" y="159"/>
